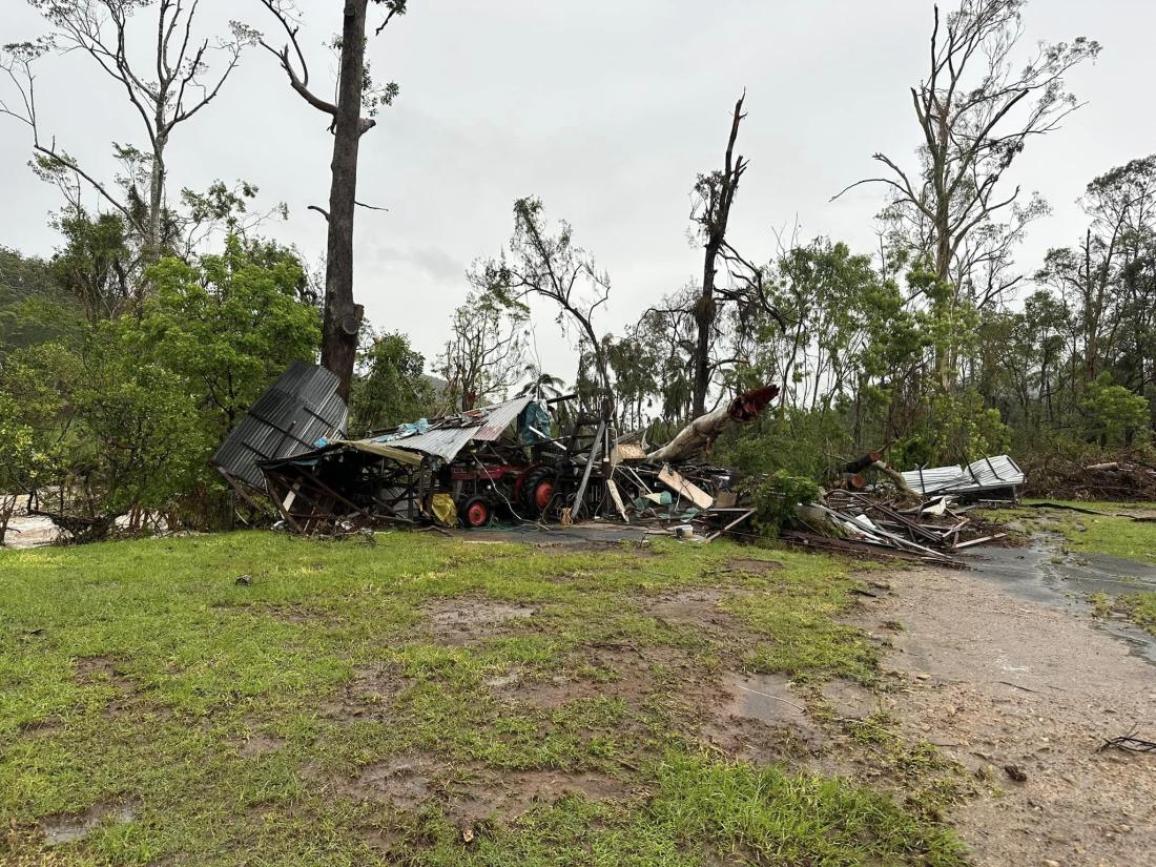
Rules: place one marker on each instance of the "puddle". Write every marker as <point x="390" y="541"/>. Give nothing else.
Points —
<point x="765" y="697"/>
<point x="1044" y="573"/>
<point x="61" y="830"/>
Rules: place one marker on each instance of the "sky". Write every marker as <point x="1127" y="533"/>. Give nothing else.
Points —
<point x="604" y="109"/>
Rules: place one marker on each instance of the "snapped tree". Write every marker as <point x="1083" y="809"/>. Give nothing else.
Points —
<point x="714" y="196"/>
<point x="355" y="93"/>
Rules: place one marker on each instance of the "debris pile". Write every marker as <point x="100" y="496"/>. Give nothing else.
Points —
<point x="875" y="524"/>
<point x="499" y="463"/>
<point x="518" y="462"/>
<point x="1128" y="478"/>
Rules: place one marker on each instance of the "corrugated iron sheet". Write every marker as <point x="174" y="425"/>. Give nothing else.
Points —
<point x="445" y="443"/>
<point x="986" y="474"/>
<point x="300" y="408"/>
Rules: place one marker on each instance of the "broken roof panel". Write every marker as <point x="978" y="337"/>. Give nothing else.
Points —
<point x="288" y="419"/>
<point x="986" y="474"/>
<point x="446" y="442"/>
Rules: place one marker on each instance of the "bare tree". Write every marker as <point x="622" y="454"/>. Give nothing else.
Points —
<point x="714" y="196"/>
<point x="175" y="85"/>
<point x="551" y="267"/>
<point x="355" y="93"/>
<point x="977" y="109"/>
<point x="485" y="355"/>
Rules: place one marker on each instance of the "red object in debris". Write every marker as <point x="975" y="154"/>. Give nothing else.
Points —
<point x="543" y="494"/>
<point x="477" y="513"/>
<point x="475" y="474"/>
<point x="747" y="407"/>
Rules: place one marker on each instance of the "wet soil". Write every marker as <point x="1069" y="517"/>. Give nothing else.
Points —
<point x="998" y="680"/>
<point x="69" y="828"/>
<point x="1044" y="574"/>
<point x="466" y="620"/>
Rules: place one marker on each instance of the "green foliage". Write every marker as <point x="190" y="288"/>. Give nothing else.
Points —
<point x="97" y="266"/>
<point x="33" y="307"/>
<point x="962" y="428"/>
<point x="124" y="413"/>
<point x="392" y="387"/>
<point x="229" y="324"/>
<point x="1115" y="416"/>
<point x="776" y="499"/>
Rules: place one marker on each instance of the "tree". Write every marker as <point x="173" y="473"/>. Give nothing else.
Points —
<point x="977" y="109"/>
<point x="169" y="90"/>
<point x="550" y="266"/>
<point x="355" y="93"/>
<point x="485" y="355"/>
<point x="393" y="387"/>
<point x="229" y="324"/>
<point x="976" y="112"/>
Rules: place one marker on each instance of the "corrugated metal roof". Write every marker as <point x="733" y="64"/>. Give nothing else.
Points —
<point x="300" y="408"/>
<point x="986" y="474"/>
<point x="446" y="442"/>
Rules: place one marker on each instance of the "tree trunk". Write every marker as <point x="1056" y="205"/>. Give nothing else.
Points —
<point x="704" y="316"/>
<point x="343" y="317"/>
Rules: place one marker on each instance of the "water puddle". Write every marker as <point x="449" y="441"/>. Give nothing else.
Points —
<point x="1045" y="573"/>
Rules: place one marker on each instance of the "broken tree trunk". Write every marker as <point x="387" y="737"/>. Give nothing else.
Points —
<point x="704" y="430"/>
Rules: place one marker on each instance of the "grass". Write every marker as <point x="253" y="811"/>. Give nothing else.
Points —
<point x="231" y="721"/>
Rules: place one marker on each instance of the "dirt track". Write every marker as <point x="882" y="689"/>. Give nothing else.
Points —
<point x="997" y="681"/>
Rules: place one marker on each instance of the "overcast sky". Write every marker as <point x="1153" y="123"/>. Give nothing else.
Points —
<point x="605" y="109"/>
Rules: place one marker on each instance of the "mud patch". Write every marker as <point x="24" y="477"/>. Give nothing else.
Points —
<point x="101" y="671"/>
<point x="464" y="621"/>
<point x="259" y="745"/>
<point x="404" y="782"/>
<point x="849" y="701"/>
<point x="70" y="828"/>
<point x="698" y="607"/>
<point x="500" y="799"/>
<point x="760" y="718"/>
<point x="370" y="693"/>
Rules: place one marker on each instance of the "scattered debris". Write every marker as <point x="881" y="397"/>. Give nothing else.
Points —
<point x="1129" y="743"/>
<point x="1129" y="478"/>
<point x="861" y="522"/>
<point x="499" y="463"/>
<point x="1016" y="773"/>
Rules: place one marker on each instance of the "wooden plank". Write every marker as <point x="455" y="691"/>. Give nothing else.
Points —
<point x="685" y="489"/>
<point x="617" y="498"/>
<point x="969" y="544"/>
<point x="743" y="517"/>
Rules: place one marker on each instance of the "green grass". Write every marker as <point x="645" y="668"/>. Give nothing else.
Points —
<point x="1093" y="534"/>
<point x="134" y="675"/>
<point x="1140" y="608"/>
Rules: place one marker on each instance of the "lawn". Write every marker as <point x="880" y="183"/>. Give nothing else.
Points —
<point x="408" y="699"/>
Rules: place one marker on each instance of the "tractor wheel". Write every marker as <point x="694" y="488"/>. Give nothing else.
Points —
<point x="538" y="488"/>
<point x="477" y="513"/>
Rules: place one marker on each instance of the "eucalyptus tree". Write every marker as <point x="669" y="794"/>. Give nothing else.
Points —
<point x="351" y="112"/>
<point x="153" y="52"/>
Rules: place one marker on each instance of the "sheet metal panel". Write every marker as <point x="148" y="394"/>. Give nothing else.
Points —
<point x="300" y="408"/>
<point x="447" y="442"/>
<point x="986" y="474"/>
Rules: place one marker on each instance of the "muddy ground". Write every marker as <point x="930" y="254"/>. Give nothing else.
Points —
<point x="997" y="681"/>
